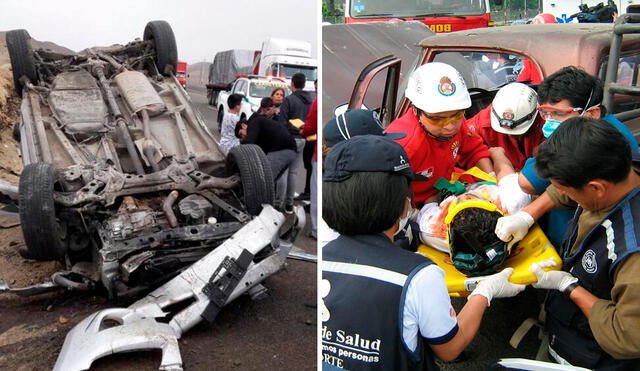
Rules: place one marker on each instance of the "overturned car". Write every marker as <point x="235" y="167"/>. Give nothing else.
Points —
<point x="123" y="182"/>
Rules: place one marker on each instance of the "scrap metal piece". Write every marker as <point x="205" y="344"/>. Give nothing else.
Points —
<point x="28" y="290"/>
<point x="218" y="292"/>
<point x="299" y="254"/>
<point x="116" y="330"/>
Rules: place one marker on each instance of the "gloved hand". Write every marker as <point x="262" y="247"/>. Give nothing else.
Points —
<point x="513" y="228"/>
<point x="553" y="280"/>
<point x="498" y="286"/>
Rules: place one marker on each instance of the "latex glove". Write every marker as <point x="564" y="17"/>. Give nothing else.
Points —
<point x="498" y="286"/>
<point x="513" y="228"/>
<point x="553" y="280"/>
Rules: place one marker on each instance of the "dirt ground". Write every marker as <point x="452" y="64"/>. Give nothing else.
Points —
<point x="278" y="332"/>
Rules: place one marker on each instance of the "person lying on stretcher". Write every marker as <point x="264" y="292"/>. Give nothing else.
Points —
<point x="463" y="225"/>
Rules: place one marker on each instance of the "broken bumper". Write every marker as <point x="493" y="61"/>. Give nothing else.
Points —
<point x="135" y="328"/>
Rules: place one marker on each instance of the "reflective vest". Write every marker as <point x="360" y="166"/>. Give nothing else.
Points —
<point x="364" y="281"/>
<point x="594" y="264"/>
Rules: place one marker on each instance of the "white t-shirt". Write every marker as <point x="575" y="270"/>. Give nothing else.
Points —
<point x="427" y="308"/>
<point x="228" y="137"/>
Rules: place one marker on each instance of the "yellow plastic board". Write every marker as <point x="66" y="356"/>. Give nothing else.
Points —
<point x="533" y="248"/>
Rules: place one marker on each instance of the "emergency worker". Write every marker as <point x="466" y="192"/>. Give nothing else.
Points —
<point x="344" y="126"/>
<point x="511" y="122"/>
<point x="381" y="305"/>
<point x="437" y="137"/>
<point x="592" y="309"/>
<point x="569" y="92"/>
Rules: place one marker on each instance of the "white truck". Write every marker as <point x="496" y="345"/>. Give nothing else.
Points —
<point x="253" y="88"/>
<point x="564" y="9"/>
<point x="226" y="66"/>
<point x="284" y="58"/>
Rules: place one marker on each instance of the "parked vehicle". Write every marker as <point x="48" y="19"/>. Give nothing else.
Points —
<point x="438" y="15"/>
<point x="224" y="70"/>
<point x="253" y="88"/>
<point x="122" y="180"/>
<point x="181" y="74"/>
<point x="283" y="58"/>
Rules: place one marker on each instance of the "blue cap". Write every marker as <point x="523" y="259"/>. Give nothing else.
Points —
<point x="353" y="123"/>
<point x="365" y="153"/>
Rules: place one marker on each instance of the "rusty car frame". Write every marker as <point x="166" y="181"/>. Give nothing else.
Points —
<point x="600" y="49"/>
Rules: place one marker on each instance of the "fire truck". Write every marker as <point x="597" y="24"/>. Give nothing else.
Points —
<point x="438" y="15"/>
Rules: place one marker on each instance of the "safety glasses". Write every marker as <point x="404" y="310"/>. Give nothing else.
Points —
<point x="511" y="123"/>
<point x="443" y="121"/>
<point x="547" y="111"/>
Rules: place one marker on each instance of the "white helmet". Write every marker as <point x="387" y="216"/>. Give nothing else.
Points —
<point x="514" y="109"/>
<point x="437" y="87"/>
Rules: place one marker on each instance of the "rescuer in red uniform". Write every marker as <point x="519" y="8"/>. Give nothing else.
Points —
<point x="437" y="137"/>
<point x="511" y="122"/>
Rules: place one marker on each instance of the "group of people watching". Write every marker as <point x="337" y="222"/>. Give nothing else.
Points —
<point x="283" y="143"/>
<point x="560" y="158"/>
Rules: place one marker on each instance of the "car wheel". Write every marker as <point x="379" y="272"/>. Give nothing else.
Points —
<point x="21" y="54"/>
<point x="43" y="233"/>
<point x="164" y="43"/>
<point x="258" y="187"/>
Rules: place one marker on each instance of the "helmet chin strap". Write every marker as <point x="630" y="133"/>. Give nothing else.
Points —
<point x="436" y="137"/>
<point x="439" y="138"/>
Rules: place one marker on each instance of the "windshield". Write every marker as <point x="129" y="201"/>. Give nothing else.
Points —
<point x="261" y="89"/>
<point x="403" y="8"/>
<point x="311" y="73"/>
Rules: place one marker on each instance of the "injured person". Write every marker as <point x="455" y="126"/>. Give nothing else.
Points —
<point x="463" y="225"/>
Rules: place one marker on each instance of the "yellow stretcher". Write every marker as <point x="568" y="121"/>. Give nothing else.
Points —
<point x="533" y="248"/>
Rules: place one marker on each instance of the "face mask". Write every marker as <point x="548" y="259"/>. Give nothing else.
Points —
<point x="405" y="220"/>
<point x="549" y="127"/>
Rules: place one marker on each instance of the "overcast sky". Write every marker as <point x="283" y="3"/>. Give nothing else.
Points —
<point x="201" y="27"/>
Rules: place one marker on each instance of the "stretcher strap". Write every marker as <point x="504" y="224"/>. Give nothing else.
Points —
<point x="475" y="172"/>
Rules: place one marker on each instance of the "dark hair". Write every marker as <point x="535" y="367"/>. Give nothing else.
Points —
<point x="573" y="84"/>
<point x="298" y="80"/>
<point x="266" y="102"/>
<point x="239" y="126"/>
<point x="475" y="227"/>
<point x="278" y="88"/>
<point x="583" y="149"/>
<point x="234" y="100"/>
<point x="366" y="203"/>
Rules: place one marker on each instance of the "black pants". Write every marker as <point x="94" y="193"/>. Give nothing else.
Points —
<point x="307" y="157"/>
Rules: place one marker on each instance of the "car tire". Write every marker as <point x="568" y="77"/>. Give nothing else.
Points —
<point x="164" y="43"/>
<point x="21" y="55"/>
<point x="40" y="228"/>
<point x="258" y="187"/>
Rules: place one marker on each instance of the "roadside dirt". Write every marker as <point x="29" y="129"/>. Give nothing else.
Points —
<point x="10" y="163"/>
<point x="276" y="333"/>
